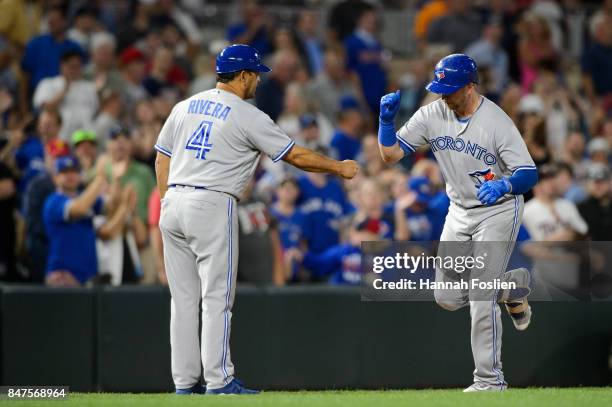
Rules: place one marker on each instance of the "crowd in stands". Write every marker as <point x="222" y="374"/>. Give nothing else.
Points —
<point x="85" y="87"/>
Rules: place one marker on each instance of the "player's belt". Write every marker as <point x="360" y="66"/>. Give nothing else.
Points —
<point x="201" y="189"/>
<point x="185" y="186"/>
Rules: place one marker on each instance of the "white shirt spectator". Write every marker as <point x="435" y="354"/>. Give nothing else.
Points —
<point x="78" y="107"/>
<point x="542" y="220"/>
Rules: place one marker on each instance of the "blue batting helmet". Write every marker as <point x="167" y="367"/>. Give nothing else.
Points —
<point x="452" y="73"/>
<point x="238" y="57"/>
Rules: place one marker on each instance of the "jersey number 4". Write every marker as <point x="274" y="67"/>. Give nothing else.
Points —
<point x="198" y="141"/>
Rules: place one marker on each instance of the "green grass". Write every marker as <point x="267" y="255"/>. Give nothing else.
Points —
<point x="582" y="397"/>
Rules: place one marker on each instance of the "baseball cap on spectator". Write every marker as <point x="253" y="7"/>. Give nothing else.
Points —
<point x="348" y="103"/>
<point x="531" y="104"/>
<point x="598" y="172"/>
<point x="130" y="55"/>
<point x="117" y="132"/>
<point x="307" y="120"/>
<point x="598" y="145"/>
<point x="100" y="39"/>
<point x="422" y="187"/>
<point x="57" y="148"/>
<point x="547" y="171"/>
<point x="66" y="163"/>
<point x="83" y="135"/>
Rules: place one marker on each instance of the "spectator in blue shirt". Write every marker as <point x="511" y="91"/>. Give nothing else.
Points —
<point x="42" y="54"/>
<point x="339" y="264"/>
<point x="597" y="59"/>
<point x="30" y="159"/>
<point x="417" y="218"/>
<point x="568" y="187"/>
<point x="36" y="194"/>
<point x="30" y="156"/>
<point x="252" y="30"/>
<point x="288" y="217"/>
<point x="307" y="35"/>
<point x="324" y="204"/>
<point x="346" y="141"/>
<point x="491" y="57"/>
<point x="365" y="57"/>
<point x="68" y="217"/>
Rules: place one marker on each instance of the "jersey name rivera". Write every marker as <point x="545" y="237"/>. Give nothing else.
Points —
<point x="208" y="108"/>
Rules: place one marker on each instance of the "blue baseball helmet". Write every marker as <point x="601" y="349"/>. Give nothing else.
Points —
<point x="452" y="73"/>
<point x="238" y="57"/>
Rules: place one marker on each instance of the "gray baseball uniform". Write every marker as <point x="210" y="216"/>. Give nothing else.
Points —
<point x="214" y="140"/>
<point x="468" y="150"/>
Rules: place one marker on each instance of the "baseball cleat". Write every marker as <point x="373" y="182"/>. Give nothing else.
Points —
<point x="233" y="387"/>
<point x="522" y="279"/>
<point x="520" y="312"/>
<point x="195" y="389"/>
<point x="479" y="386"/>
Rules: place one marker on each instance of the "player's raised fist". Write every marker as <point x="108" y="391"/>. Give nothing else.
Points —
<point x="349" y="169"/>
<point x="389" y="105"/>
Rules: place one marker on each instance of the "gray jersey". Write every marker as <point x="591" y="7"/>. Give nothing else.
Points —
<point x="467" y="150"/>
<point x="215" y="138"/>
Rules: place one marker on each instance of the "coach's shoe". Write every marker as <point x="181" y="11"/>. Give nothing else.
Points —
<point x="195" y="389"/>
<point x="233" y="387"/>
<point x="479" y="386"/>
<point x="520" y="312"/>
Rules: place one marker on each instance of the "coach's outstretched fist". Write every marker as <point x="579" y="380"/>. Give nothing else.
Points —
<point x="348" y="169"/>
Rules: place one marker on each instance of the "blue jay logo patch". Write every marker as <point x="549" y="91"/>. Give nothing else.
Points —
<point x="482" y="176"/>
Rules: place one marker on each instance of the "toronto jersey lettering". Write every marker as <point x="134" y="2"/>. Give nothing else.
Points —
<point x="468" y="151"/>
<point x="210" y="151"/>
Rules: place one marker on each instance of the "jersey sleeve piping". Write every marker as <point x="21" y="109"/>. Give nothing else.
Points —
<point x="404" y="143"/>
<point x="524" y="167"/>
<point x="163" y="150"/>
<point x="284" y="152"/>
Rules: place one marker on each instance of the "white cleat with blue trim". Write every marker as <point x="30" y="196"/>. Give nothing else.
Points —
<point x="480" y="386"/>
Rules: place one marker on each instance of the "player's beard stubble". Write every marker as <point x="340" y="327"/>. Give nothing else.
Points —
<point x="458" y="102"/>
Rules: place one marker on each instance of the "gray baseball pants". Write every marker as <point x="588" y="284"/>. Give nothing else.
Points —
<point x="200" y="235"/>
<point x="491" y="230"/>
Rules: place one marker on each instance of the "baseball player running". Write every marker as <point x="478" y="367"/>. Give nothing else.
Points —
<point x="487" y="169"/>
<point x="207" y="150"/>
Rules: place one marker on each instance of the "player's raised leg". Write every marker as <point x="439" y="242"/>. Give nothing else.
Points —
<point x="452" y="234"/>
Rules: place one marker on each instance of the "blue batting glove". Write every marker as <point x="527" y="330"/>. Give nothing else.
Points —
<point x="389" y="105"/>
<point x="491" y="191"/>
